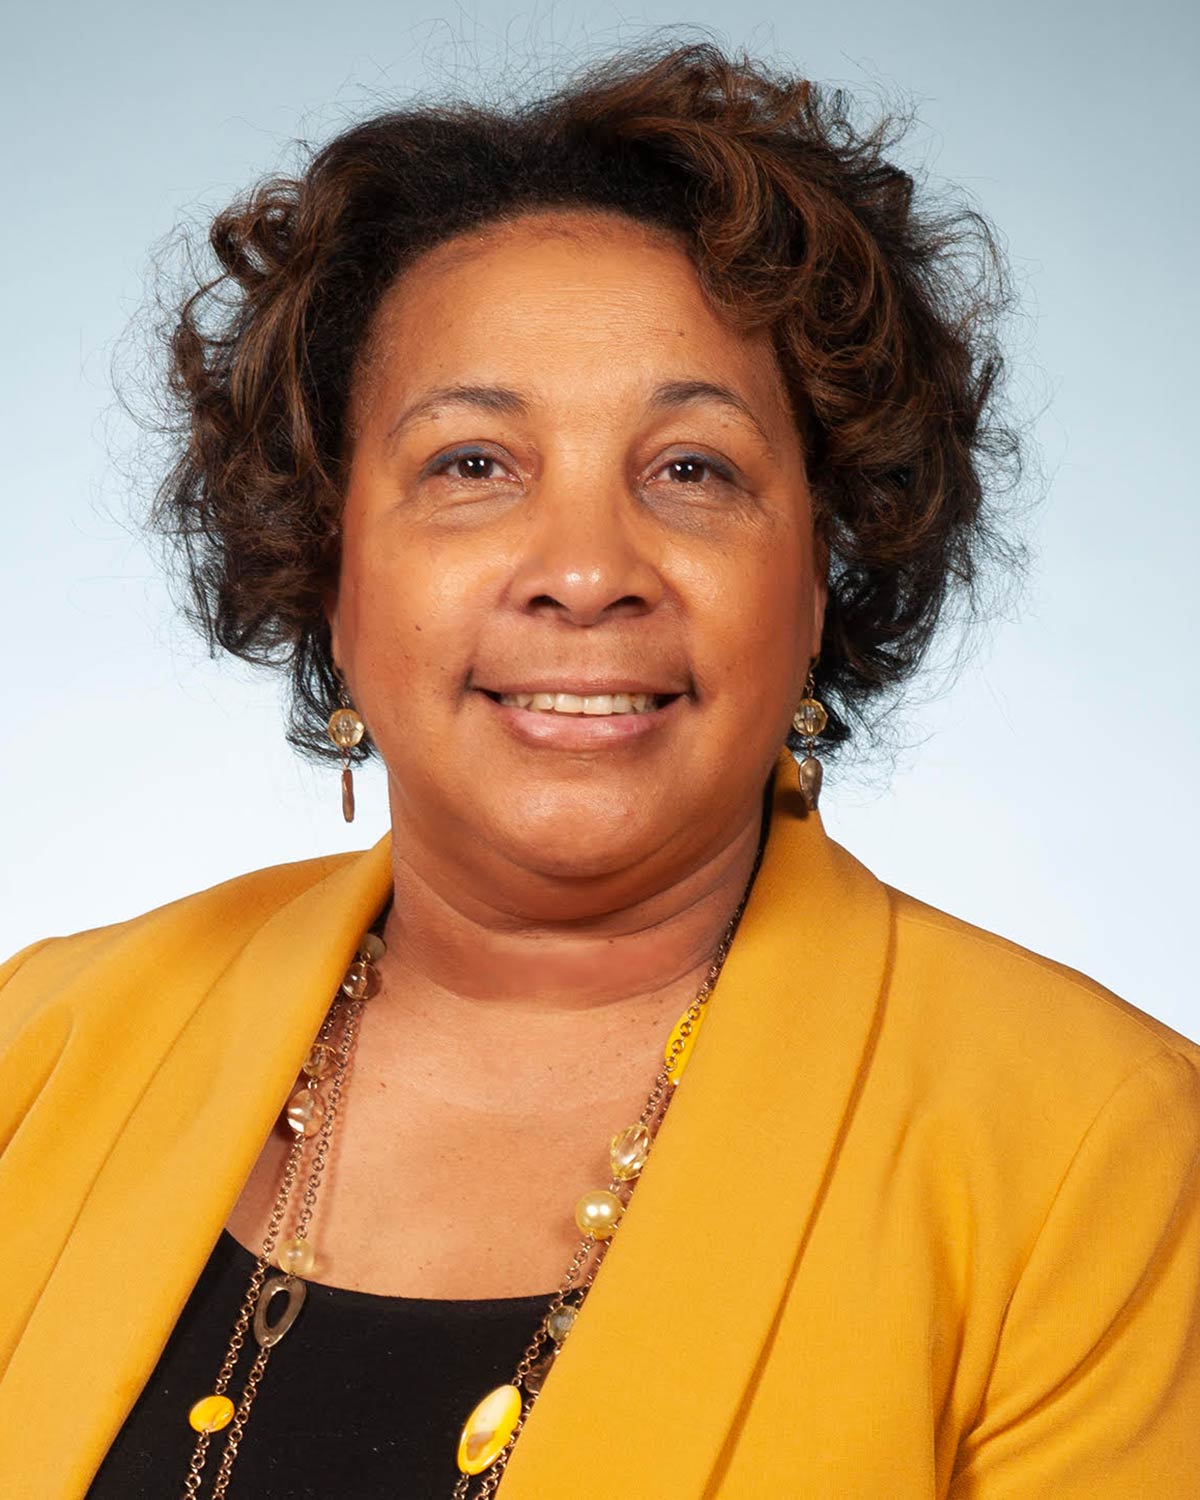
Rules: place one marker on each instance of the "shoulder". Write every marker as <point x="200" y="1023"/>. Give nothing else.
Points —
<point x="207" y="927"/>
<point x="1009" y="1030"/>
<point x="1005" y="980"/>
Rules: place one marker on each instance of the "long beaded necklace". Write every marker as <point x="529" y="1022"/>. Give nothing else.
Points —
<point x="493" y="1426"/>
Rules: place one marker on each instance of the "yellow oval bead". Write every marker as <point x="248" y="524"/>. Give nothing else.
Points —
<point x="675" y="1071"/>
<point x="211" y="1413"/>
<point x="488" y="1429"/>
<point x="628" y="1152"/>
<point x="597" y="1213"/>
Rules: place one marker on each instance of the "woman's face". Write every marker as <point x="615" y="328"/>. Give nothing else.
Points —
<point x="570" y="476"/>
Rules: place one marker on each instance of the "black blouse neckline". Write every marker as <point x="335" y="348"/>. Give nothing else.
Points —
<point x="365" y="1399"/>
<point x="348" y="1298"/>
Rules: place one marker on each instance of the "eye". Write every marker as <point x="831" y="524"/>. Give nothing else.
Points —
<point x="466" y="464"/>
<point x="695" y="469"/>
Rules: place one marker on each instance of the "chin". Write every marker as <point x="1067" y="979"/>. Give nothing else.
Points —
<point x="574" y="837"/>
<point x="583" y="865"/>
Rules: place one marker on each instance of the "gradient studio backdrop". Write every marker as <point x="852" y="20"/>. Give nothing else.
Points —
<point x="1048" y="796"/>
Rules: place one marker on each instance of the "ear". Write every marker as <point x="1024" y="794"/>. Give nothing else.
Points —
<point x="820" y="593"/>
<point x="329" y="607"/>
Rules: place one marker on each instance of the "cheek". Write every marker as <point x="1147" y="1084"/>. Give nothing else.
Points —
<point x="412" y="616"/>
<point x="382" y="623"/>
<point x="758" y="616"/>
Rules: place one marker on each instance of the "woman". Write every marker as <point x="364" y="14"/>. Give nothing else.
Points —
<point x="593" y="463"/>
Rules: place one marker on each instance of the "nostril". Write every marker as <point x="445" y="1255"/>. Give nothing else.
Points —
<point x="586" y="604"/>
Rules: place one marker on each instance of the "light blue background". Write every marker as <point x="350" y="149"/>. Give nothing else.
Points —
<point x="1048" y="796"/>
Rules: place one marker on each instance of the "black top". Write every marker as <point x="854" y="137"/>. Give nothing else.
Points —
<point x="364" y="1398"/>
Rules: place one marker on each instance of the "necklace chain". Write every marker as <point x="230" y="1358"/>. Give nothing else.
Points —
<point x="312" y="1117"/>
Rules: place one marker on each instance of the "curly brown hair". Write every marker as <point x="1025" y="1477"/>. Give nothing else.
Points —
<point x="884" y="319"/>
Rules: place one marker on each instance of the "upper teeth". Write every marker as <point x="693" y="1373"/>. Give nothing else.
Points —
<point x="573" y="703"/>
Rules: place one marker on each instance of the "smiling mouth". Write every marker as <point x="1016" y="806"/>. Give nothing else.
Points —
<point x="593" y="705"/>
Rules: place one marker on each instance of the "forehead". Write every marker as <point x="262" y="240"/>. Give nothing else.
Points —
<point x="569" y="295"/>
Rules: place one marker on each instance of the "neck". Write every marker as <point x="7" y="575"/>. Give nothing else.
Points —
<point x="469" y="953"/>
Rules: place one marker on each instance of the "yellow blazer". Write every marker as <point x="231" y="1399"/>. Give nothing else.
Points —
<point x="923" y="1221"/>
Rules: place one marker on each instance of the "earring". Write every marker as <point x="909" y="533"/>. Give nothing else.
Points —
<point x="810" y="720"/>
<point x="346" y="729"/>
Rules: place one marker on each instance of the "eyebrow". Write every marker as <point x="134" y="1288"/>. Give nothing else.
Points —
<point x="507" y="402"/>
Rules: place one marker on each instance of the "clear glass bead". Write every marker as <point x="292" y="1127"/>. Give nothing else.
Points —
<point x="296" y="1257"/>
<point x="810" y="718"/>
<point x="319" y="1060"/>
<point x="305" y="1112"/>
<point x="559" y="1322"/>
<point x="628" y="1152"/>
<point x="346" y="729"/>
<point x="361" y="981"/>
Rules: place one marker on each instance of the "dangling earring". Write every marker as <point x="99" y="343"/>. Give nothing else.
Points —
<point x="810" y="720"/>
<point x="346" y="729"/>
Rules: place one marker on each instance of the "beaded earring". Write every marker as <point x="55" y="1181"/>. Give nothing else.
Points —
<point x="810" y="720"/>
<point x="346" y="729"/>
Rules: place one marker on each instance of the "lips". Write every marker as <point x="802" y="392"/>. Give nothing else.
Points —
<point x="555" y="720"/>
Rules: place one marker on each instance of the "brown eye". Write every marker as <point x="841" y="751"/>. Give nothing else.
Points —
<point x="466" y="464"/>
<point x="695" y="468"/>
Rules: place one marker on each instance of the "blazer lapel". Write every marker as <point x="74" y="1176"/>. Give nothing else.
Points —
<point x="220" y="1062"/>
<point x="664" y="1349"/>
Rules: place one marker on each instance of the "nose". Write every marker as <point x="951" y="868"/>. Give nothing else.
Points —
<point x="587" y="560"/>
